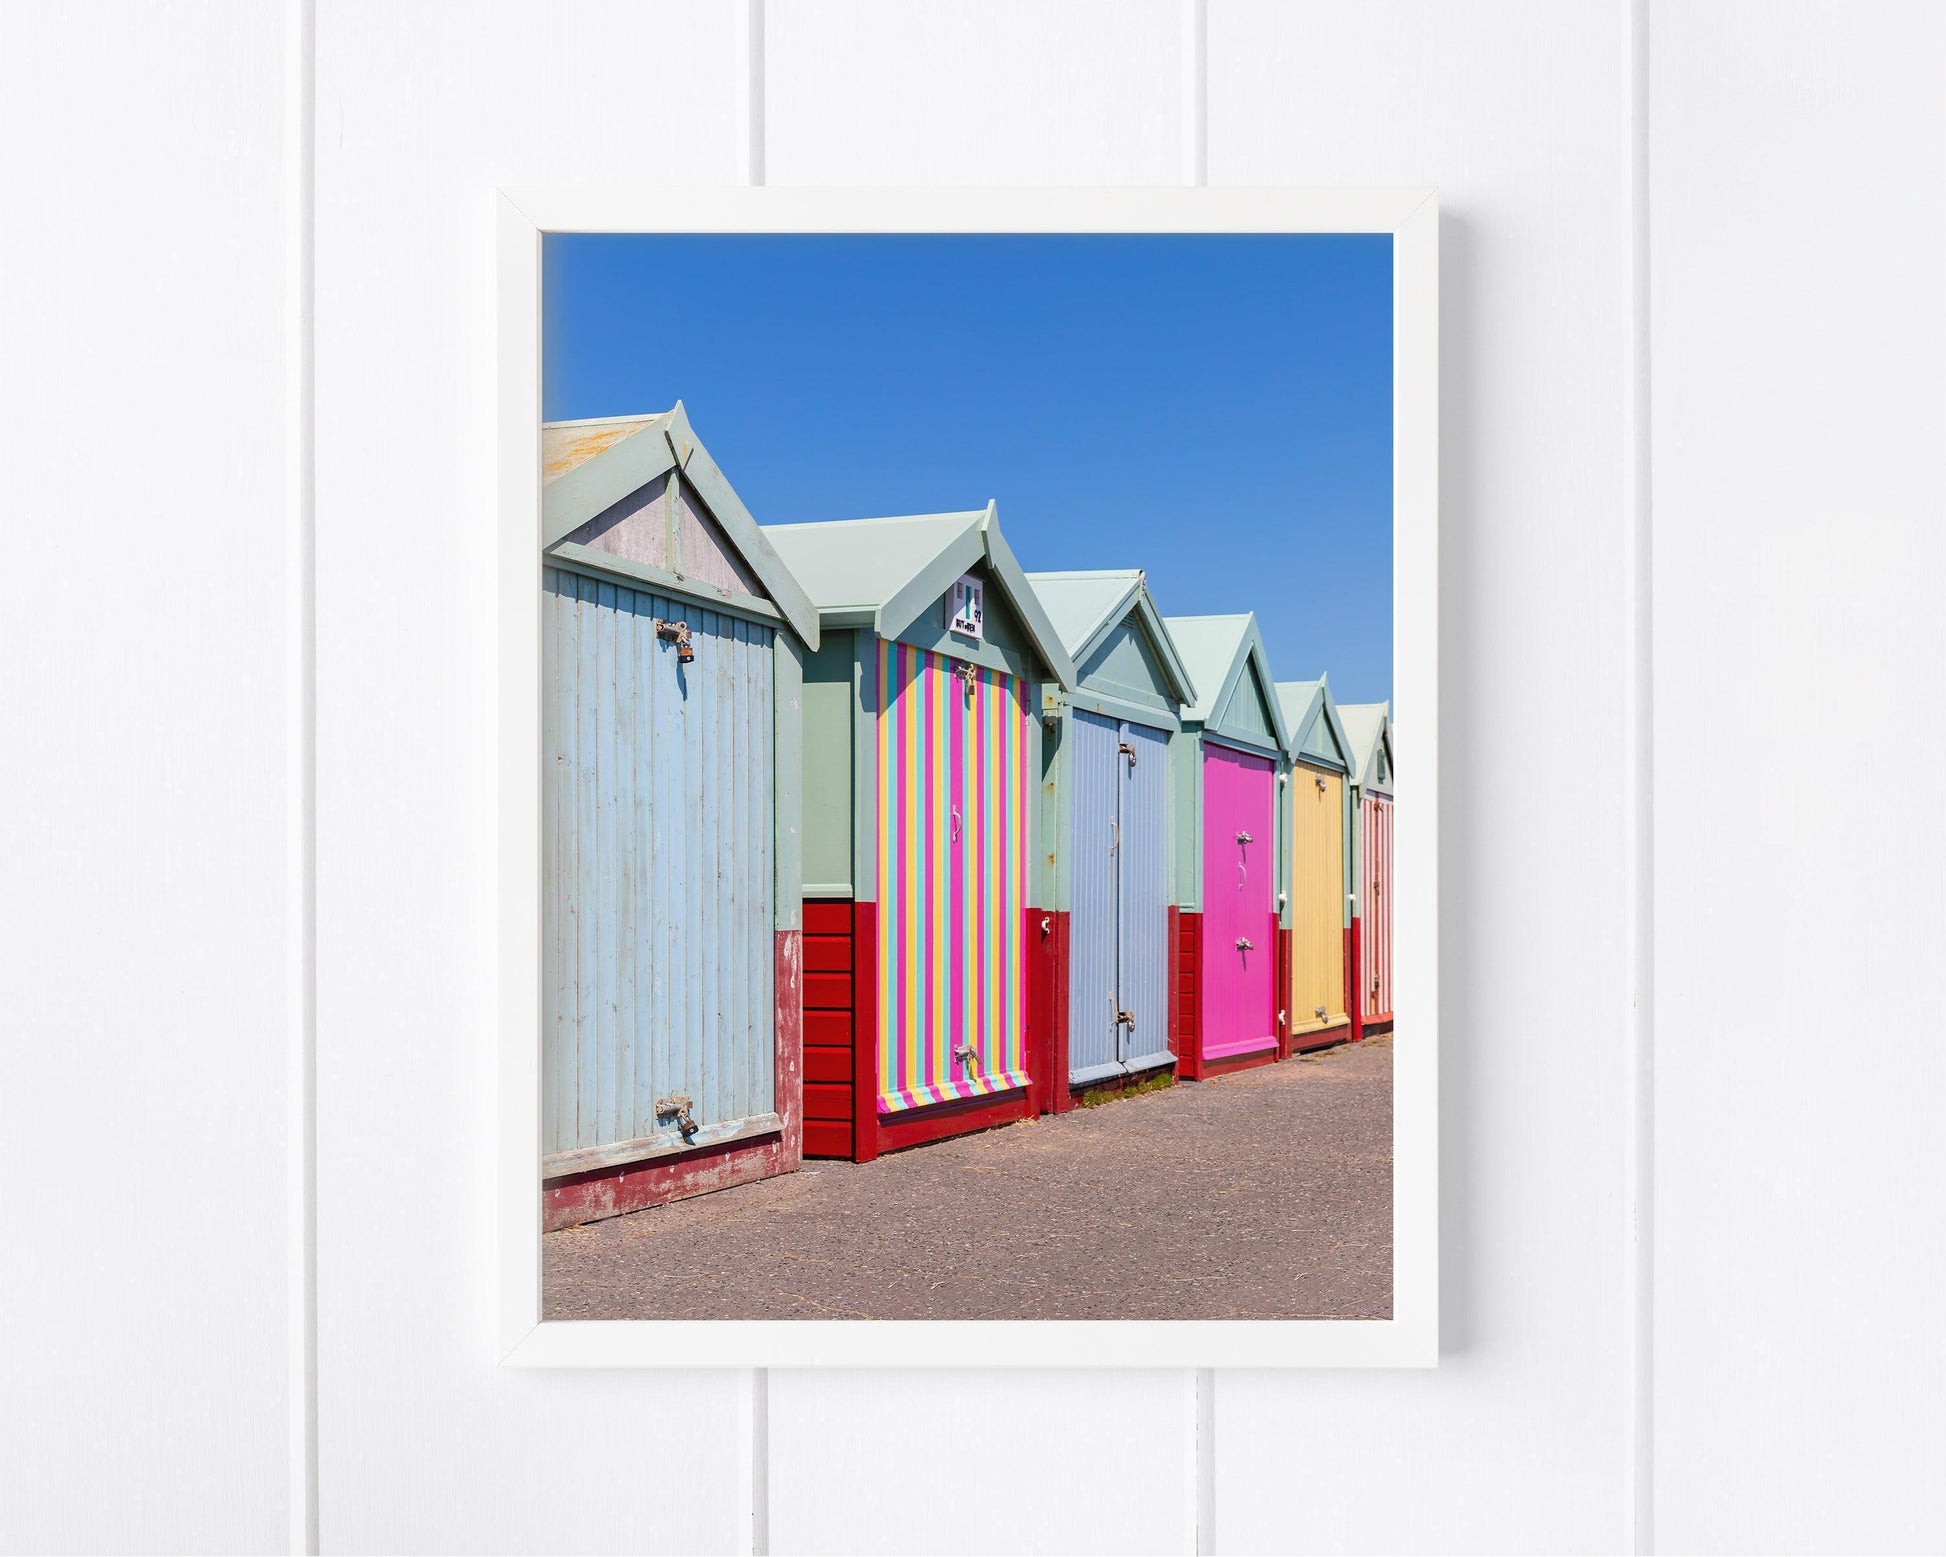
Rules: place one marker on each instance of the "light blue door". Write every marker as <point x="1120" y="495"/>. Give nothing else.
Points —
<point x="1118" y="912"/>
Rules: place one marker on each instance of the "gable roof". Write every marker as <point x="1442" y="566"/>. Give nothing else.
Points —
<point x="892" y="570"/>
<point x="1226" y="657"/>
<point x="1085" y="607"/>
<point x="1311" y="714"/>
<point x="1369" y="728"/>
<point x="587" y="467"/>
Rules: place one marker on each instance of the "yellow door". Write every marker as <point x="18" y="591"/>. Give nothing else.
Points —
<point x="1317" y="899"/>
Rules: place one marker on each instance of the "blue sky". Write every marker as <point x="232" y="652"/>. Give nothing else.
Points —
<point x="1215" y="409"/>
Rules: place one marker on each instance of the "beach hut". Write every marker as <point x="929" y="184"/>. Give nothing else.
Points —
<point x="1105" y="816"/>
<point x="1228" y="758"/>
<point x="1369" y="728"/>
<point x="1318" y="956"/>
<point x="928" y="948"/>
<point x="672" y="646"/>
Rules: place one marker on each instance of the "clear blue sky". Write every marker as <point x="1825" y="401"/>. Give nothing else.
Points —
<point x="1215" y="409"/>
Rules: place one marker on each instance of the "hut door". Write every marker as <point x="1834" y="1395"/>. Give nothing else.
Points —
<point x="1142" y="889"/>
<point x="1118" y="916"/>
<point x="659" y="878"/>
<point x="1239" y="903"/>
<point x="952" y="879"/>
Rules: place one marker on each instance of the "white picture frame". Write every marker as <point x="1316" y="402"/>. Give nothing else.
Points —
<point x="1411" y="1337"/>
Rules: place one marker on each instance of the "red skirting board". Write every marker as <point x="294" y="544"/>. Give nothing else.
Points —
<point x="602" y="1192"/>
<point x="1048" y="996"/>
<point x="1354" y="966"/>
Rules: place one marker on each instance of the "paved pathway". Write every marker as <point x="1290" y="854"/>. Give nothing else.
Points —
<point x="1265" y="1194"/>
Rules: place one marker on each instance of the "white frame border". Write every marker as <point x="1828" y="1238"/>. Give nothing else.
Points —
<point x="1411" y="1337"/>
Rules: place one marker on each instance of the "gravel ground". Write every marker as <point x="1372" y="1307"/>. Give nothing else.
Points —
<point x="1262" y="1195"/>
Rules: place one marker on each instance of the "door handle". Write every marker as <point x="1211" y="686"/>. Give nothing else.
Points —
<point x="955" y="823"/>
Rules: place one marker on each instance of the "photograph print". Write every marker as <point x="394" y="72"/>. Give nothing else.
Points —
<point x="967" y="787"/>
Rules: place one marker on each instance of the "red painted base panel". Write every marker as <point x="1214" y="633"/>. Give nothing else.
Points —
<point x="1049" y="1016"/>
<point x="1353" y="966"/>
<point x="1378" y="1024"/>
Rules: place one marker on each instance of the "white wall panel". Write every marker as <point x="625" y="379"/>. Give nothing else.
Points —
<point x="1520" y="113"/>
<point x="1800" y="560"/>
<point x="424" y="1444"/>
<point x="1002" y="92"/>
<point x="143" y="795"/>
<point x="1076" y="1461"/>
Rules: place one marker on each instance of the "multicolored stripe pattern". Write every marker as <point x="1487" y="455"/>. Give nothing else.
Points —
<point x="952" y="879"/>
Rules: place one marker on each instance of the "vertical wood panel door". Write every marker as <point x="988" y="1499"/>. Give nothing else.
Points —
<point x="952" y="879"/>
<point x="1377" y="894"/>
<point x="1094" y="903"/>
<point x="658" y="922"/>
<point x="1142" y="922"/>
<point x="1317" y="994"/>
<point x="1118" y="913"/>
<point x="1239" y="965"/>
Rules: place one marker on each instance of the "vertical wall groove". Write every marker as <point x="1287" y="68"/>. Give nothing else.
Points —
<point x="300" y="653"/>
<point x="1195" y="92"/>
<point x="1641" y="778"/>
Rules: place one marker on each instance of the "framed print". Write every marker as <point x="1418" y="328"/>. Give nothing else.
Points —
<point x="957" y="901"/>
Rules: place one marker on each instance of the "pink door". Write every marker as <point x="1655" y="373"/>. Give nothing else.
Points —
<point x="1239" y="903"/>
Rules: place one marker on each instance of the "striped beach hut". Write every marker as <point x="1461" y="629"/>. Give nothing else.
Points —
<point x="672" y="648"/>
<point x="1105" y="815"/>
<point x="1228" y="759"/>
<point x="928" y="944"/>
<point x="1318" y="955"/>
<point x="1368" y="726"/>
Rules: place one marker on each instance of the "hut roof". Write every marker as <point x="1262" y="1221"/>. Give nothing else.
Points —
<point x="1311" y="714"/>
<point x="890" y="571"/>
<point x="589" y="466"/>
<point x="1085" y="607"/>
<point x="1368" y="726"/>
<point x="1234" y="698"/>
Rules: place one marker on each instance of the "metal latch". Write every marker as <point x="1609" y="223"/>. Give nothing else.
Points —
<point x="966" y="1054"/>
<point x="677" y="1108"/>
<point x="1321" y="784"/>
<point x="969" y="674"/>
<point x="1244" y="943"/>
<point x="1320" y="1012"/>
<point x="1125" y="1019"/>
<point x="1127" y="751"/>
<point x="678" y="634"/>
<point x="1245" y="838"/>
